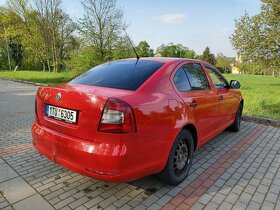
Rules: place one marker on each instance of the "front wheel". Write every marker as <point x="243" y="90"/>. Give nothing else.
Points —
<point x="236" y="124"/>
<point x="180" y="159"/>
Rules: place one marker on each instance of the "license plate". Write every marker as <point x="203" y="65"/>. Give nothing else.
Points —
<point x="66" y="115"/>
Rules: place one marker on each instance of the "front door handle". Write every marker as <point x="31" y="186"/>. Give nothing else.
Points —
<point x="193" y="104"/>
<point x="221" y="98"/>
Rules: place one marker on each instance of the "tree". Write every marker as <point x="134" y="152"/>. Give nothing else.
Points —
<point x="177" y="51"/>
<point x="102" y="26"/>
<point x="143" y="49"/>
<point x="257" y="38"/>
<point x="7" y="35"/>
<point x="56" y="28"/>
<point x="224" y="63"/>
<point x="252" y="68"/>
<point x="49" y="15"/>
<point x="16" y="54"/>
<point x="83" y="59"/>
<point x="190" y="54"/>
<point x="11" y="32"/>
<point x="208" y="56"/>
<point x="123" y="49"/>
<point x="20" y="9"/>
<point x="38" y="31"/>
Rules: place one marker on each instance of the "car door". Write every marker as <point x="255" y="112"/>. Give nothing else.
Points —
<point x="193" y="87"/>
<point x="225" y="96"/>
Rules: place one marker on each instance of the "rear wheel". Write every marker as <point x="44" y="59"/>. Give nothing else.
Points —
<point x="180" y="159"/>
<point x="236" y="124"/>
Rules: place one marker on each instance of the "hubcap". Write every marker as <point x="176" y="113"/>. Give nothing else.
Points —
<point x="181" y="158"/>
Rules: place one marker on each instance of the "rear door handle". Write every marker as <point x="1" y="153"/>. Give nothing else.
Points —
<point x="221" y="98"/>
<point x="193" y="104"/>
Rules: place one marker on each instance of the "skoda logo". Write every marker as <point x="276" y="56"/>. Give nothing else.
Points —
<point x="58" y="96"/>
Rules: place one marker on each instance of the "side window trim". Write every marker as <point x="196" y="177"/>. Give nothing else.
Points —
<point x="187" y="77"/>
<point x="201" y="65"/>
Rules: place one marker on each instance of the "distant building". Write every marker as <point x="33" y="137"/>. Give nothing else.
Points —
<point x="234" y="65"/>
<point x="234" y="69"/>
<point x="157" y="55"/>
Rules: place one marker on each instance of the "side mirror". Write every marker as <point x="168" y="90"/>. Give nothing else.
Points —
<point x="234" y="84"/>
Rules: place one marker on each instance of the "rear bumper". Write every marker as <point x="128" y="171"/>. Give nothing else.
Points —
<point x="115" y="160"/>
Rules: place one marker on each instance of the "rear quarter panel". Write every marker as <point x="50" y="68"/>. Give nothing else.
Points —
<point x="160" y="116"/>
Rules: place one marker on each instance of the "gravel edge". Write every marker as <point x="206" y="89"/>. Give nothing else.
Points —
<point x="26" y="82"/>
<point x="265" y="121"/>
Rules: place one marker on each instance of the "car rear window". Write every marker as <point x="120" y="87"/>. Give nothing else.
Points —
<point x="123" y="74"/>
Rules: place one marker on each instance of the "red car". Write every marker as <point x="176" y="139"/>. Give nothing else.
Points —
<point x="131" y="118"/>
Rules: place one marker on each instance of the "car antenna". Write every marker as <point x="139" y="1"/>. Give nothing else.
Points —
<point x="137" y="56"/>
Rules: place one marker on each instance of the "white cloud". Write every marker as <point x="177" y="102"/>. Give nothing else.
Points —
<point x="226" y="30"/>
<point x="172" y="18"/>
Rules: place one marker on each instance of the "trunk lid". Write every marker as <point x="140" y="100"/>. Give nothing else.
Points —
<point x="88" y="101"/>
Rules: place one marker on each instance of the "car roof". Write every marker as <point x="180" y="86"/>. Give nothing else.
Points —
<point x="165" y="59"/>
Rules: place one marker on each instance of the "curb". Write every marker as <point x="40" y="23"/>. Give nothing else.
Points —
<point x="26" y="82"/>
<point x="265" y="121"/>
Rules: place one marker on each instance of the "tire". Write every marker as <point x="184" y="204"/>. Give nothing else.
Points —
<point x="237" y="121"/>
<point x="179" y="160"/>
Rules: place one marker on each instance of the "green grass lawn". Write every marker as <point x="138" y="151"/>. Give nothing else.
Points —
<point x="37" y="76"/>
<point x="261" y="93"/>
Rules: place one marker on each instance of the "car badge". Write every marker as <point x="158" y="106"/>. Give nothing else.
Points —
<point x="58" y="96"/>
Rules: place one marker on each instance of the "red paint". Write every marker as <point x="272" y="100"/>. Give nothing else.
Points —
<point x="160" y="113"/>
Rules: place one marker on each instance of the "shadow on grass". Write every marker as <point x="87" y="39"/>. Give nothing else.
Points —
<point x="274" y="84"/>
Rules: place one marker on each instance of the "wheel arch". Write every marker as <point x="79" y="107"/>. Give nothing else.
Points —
<point x="242" y="102"/>
<point x="193" y="130"/>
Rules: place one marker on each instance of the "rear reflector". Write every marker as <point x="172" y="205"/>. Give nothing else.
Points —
<point x="117" y="117"/>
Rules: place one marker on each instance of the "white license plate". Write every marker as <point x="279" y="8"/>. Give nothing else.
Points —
<point x="59" y="113"/>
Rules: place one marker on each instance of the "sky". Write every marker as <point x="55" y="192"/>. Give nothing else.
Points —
<point x="195" y="24"/>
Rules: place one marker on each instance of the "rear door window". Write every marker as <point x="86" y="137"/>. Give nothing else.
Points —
<point x="196" y="76"/>
<point x="123" y="74"/>
<point x="217" y="78"/>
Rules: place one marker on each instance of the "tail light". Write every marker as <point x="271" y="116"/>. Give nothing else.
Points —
<point x="117" y="117"/>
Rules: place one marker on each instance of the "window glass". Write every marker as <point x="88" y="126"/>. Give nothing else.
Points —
<point x="181" y="81"/>
<point x="196" y="76"/>
<point x="123" y="74"/>
<point x="218" y="81"/>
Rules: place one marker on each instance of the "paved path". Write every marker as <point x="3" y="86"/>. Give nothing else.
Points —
<point x="233" y="171"/>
